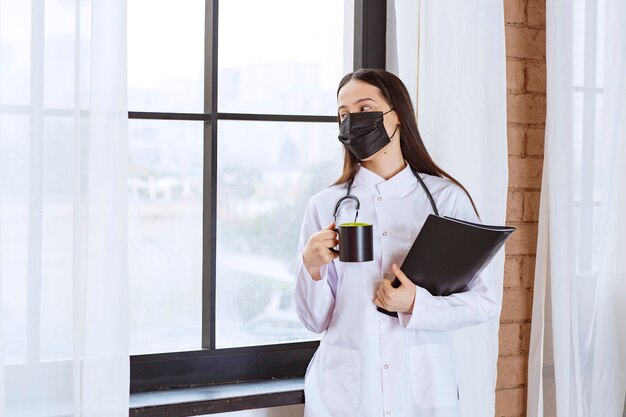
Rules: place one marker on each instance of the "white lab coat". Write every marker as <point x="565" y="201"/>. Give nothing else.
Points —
<point x="368" y="363"/>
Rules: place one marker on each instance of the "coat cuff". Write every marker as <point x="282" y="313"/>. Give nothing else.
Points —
<point x="409" y="320"/>
<point x="309" y="279"/>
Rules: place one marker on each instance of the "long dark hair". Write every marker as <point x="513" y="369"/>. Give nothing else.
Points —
<point x="413" y="150"/>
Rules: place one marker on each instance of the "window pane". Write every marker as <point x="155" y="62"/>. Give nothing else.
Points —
<point x="14" y="217"/>
<point x="267" y="172"/>
<point x="59" y="54"/>
<point x="284" y="57"/>
<point x="51" y="317"/>
<point x="165" y="55"/>
<point x="15" y="52"/>
<point x="57" y="238"/>
<point x="165" y="235"/>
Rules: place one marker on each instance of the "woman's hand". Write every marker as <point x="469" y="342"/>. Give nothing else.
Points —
<point x="317" y="251"/>
<point x="399" y="299"/>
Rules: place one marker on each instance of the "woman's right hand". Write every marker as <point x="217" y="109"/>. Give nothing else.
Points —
<point x="317" y="251"/>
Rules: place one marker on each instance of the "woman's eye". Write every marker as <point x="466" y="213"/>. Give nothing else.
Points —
<point x="342" y="116"/>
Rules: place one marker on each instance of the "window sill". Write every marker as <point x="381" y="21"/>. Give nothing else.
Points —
<point x="183" y="402"/>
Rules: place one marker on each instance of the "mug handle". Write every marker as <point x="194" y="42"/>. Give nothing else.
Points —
<point x="336" y="230"/>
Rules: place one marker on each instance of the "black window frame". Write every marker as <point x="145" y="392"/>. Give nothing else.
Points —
<point x="210" y="366"/>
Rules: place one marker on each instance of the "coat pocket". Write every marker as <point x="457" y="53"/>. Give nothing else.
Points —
<point x="342" y="379"/>
<point x="432" y="374"/>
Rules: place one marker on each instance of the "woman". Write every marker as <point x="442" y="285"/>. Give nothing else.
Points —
<point x="369" y="363"/>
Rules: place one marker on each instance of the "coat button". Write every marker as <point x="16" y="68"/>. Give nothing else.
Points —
<point x="379" y="198"/>
<point x="384" y="233"/>
<point x="388" y="412"/>
<point x="386" y="366"/>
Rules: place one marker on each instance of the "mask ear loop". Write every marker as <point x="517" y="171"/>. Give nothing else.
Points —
<point x="394" y="132"/>
<point x="397" y="126"/>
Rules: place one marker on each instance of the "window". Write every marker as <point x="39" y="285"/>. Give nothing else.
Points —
<point x="232" y="129"/>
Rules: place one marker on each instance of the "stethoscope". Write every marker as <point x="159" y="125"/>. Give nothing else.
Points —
<point x="349" y="196"/>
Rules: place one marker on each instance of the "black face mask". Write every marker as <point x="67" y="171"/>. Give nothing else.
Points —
<point x="364" y="133"/>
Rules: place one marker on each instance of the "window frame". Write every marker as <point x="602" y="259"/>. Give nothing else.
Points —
<point x="210" y="365"/>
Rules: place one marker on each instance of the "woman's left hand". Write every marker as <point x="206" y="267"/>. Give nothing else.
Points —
<point x="399" y="299"/>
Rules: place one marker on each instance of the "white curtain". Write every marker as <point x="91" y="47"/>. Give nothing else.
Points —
<point x="577" y="364"/>
<point x="460" y="81"/>
<point x="63" y="205"/>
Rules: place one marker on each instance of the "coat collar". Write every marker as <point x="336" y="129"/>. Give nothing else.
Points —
<point x="403" y="181"/>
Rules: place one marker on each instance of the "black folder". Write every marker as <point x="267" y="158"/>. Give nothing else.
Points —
<point x="448" y="253"/>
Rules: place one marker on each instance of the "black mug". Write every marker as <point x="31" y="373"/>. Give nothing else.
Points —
<point x="356" y="242"/>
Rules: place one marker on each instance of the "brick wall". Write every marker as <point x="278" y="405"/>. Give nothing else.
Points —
<point x="526" y="107"/>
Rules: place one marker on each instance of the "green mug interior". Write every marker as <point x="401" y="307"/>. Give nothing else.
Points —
<point x="354" y="224"/>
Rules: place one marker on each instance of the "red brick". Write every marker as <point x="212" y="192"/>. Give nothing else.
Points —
<point x="513" y="272"/>
<point x="514" y="11"/>
<point x="512" y="371"/>
<point x="528" y="271"/>
<point x="523" y="241"/>
<point x="511" y="402"/>
<point x="536" y="11"/>
<point x="514" y="338"/>
<point x="525" y="172"/>
<point x="535" y="77"/>
<point x="515" y="77"/>
<point x="534" y="143"/>
<point x="510" y="337"/>
<point x="524" y="337"/>
<point x="531" y="205"/>
<point x="526" y="108"/>
<point x="516" y="138"/>
<point x="514" y="206"/>
<point x="525" y="43"/>
<point x="516" y="305"/>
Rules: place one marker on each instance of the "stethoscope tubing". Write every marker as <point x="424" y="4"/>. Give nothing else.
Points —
<point x="350" y="196"/>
